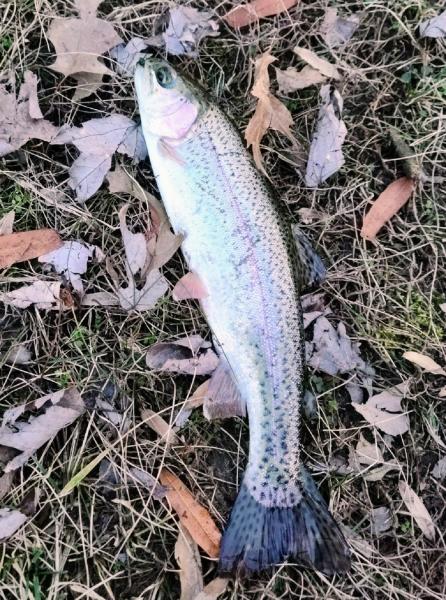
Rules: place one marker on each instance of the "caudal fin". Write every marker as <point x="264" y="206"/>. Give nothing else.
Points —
<point x="258" y="536"/>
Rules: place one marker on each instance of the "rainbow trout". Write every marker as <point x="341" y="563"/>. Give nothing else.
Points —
<point x="241" y="251"/>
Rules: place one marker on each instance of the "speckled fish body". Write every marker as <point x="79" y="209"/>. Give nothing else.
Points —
<point x="240" y="246"/>
<point x="236" y="242"/>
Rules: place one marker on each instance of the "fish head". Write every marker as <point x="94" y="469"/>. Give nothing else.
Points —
<point x="169" y="104"/>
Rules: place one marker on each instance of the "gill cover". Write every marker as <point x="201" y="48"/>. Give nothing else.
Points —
<point x="167" y="104"/>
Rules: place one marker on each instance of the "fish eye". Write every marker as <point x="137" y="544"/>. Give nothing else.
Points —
<point x="164" y="77"/>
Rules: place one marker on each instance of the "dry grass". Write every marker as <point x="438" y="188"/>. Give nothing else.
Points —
<point x="119" y="543"/>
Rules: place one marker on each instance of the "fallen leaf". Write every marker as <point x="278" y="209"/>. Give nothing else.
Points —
<point x="126" y="56"/>
<point x="21" y="119"/>
<point x="7" y="223"/>
<point x="417" y="510"/>
<point x="70" y="260"/>
<point x="10" y="521"/>
<point x="6" y="481"/>
<point x="135" y="244"/>
<point x="439" y="471"/>
<point x="160" y="426"/>
<point x="292" y="79"/>
<point x="270" y="113"/>
<point x="366" y="453"/>
<point x="189" y="287"/>
<point x="325" y="157"/>
<point x="357" y="542"/>
<point x="320" y="64"/>
<point x="331" y="350"/>
<point x="386" y="206"/>
<point x="335" y="30"/>
<point x="425" y="362"/>
<point x="61" y="409"/>
<point x="110" y="476"/>
<point x="193" y="516"/>
<point x="18" y="355"/>
<point x="384" y="411"/>
<point x="145" y="298"/>
<point x="186" y="28"/>
<point x="214" y="589"/>
<point x="79" y="44"/>
<point x="243" y="15"/>
<point x="148" y="481"/>
<point x="25" y="245"/>
<point x="189" y="561"/>
<point x="380" y="520"/>
<point x="191" y="355"/>
<point x="100" y="299"/>
<point x="98" y="140"/>
<point x="435" y="27"/>
<point x="194" y="401"/>
<point x="41" y="294"/>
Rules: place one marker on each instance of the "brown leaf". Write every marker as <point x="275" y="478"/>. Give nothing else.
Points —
<point x="292" y="79"/>
<point x="270" y="113"/>
<point x="189" y="561"/>
<point x="10" y="521"/>
<point x="380" y="520"/>
<point x="417" y="510"/>
<point x="61" y="409"/>
<point x="189" y="287"/>
<point x="5" y="484"/>
<point x="191" y="355"/>
<point x="21" y="118"/>
<point x="7" y="223"/>
<point x="160" y="426"/>
<point x="384" y="411"/>
<point x="243" y="15"/>
<point x="320" y="64"/>
<point x="425" y="362"/>
<point x="193" y="516"/>
<point x="79" y="44"/>
<point x="386" y="206"/>
<point x="435" y="27"/>
<point x="186" y="28"/>
<point x="43" y="294"/>
<point x="25" y="245"/>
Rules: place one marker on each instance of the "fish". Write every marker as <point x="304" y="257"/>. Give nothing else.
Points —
<point x="238" y="244"/>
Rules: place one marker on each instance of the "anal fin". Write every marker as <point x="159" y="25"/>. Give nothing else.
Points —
<point x="311" y="269"/>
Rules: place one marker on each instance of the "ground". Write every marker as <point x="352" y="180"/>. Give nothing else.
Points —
<point x="119" y="543"/>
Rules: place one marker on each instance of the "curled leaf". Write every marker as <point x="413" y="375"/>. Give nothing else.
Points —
<point x="191" y="355"/>
<point x="386" y="206"/>
<point x="193" y="516"/>
<point x="320" y="64"/>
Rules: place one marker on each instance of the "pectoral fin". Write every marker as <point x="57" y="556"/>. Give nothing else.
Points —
<point x="189" y="287"/>
<point x="311" y="269"/>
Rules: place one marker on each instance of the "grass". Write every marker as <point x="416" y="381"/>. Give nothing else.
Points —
<point x="119" y="543"/>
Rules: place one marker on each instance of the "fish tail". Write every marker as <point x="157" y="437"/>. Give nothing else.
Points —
<point x="259" y="536"/>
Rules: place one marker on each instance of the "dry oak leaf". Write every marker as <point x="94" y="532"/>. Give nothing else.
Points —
<point x="435" y="27"/>
<point x="386" y="206"/>
<point x="425" y="362"/>
<point x="25" y="245"/>
<point x="21" y="118"/>
<point x="160" y="426"/>
<point x="10" y="521"/>
<point x="187" y="27"/>
<point x="335" y="30"/>
<point x="326" y="157"/>
<point x="417" y="510"/>
<point x="191" y="355"/>
<point x="270" y="113"/>
<point x="244" y="14"/>
<point x="79" y="44"/>
<point x="7" y="223"/>
<point x="320" y="64"/>
<point x="97" y="140"/>
<point x="193" y="516"/>
<point x="292" y="79"/>
<point x="61" y="409"/>
<point x="384" y="411"/>
<point x="214" y="589"/>
<point x="42" y="294"/>
<point x="189" y="561"/>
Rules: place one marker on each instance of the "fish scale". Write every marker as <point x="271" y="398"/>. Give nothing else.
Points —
<point x="240" y="246"/>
